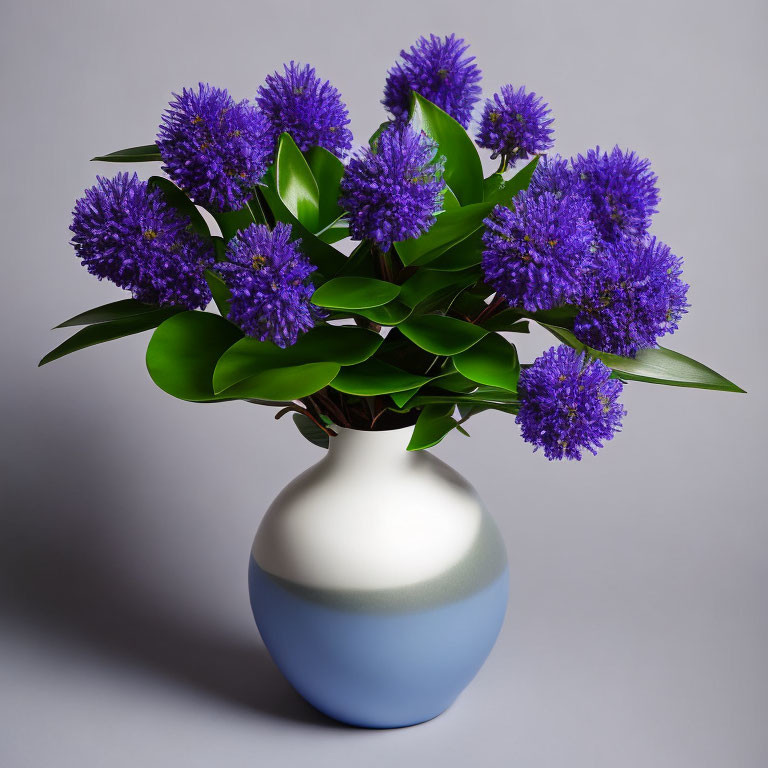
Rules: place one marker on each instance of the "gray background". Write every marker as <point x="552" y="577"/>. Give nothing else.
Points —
<point x="637" y="627"/>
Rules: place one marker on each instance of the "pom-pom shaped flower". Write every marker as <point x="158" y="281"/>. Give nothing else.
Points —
<point x="393" y="192"/>
<point x="632" y="295"/>
<point x="214" y="148"/>
<point x="534" y="254"/>
<point x="568" y="403"/>
<point x="515" y="124"/>
<point x="125" y="232"/>
<point x="437" y="69"/>
<point x="267" y="276"/>
<point x="553" y="174"/>
<point x="300" y="103"/>
<point x="622" y="189"/>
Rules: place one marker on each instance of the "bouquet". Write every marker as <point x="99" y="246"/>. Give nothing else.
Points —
<point x="382" y="288"/>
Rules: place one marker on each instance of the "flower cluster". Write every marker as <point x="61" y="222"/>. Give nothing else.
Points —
<point x="533" y="254"/>
<point x="124" y="231"/>
<point x="622" y="190"/>
<point x="267" y="276"/>
<point x="437" y="69"/>
<point x="214" y="148"/>
<point x="633" y="295"/>
<point x="515" y="124"/>
<point x="310" y="110"/>
<point x="393" y="192"/>
<point x="628" y="285"/>
<point x="568" y="403"/>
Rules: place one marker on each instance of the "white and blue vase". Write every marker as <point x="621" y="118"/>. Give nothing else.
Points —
<point x="378" y="581"/>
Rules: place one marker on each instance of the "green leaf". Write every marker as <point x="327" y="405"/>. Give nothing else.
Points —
<point x="296" y="185"/>
<point x="375" y="135"/>
<point x="492" y="361"/>
<point x="433" y="424"/>
<point x="501" y="192"/>
<point x="450" y="201"/>
<point x="342" y="345"/>
<point x="311" y="431"/>
<point x="387" y="314"/>
<point x="178" y="200"/>
<point x="143" y="154"/>
<point x="374" y="377"/>
<point x="463" y="169"/>
<point x="449" y="228"/>
<point x="427" y="282"/>
<point x="508" y="320"/>
<point x="465" y="254"/>
<point x="441" y="335"/>
<point x="117" y="310"/>
<point x="401" y="398"/>
<point x="335" y="231"/>
<point x="328" y="171"/>
<point x="325" y="257"/>
<point x="219" y="291"/>
<point x="284" y="383"/>
<point x="183" y="352"/>
<point x="232" y="222"/>
<point x="354" y="293"/>
<point x="657" y="366"/>
<point x="110" y="330"/>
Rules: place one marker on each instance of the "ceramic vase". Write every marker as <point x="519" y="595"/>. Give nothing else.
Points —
<point x="378" y="581"/>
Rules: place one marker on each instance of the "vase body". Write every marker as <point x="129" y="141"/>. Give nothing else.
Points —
<point x="378" y="582"/>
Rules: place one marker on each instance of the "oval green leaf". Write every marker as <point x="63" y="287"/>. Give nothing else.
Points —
<point x="433" y="424"/>
<point x="311" y="431"/>
<point x="328" y="171"/>
<point x="463" y="169"/>
<point x="441" y="335"/>
<point x="373" y="377"/>
<point x="296" y="185"/>
<point x="355" y="293"/>
<point x="342" y="345"/>
<point x="492" y="361"/>
<point x="449" y="228"/>
<point x="183" y="352"/>
<point x="289" y="383"/>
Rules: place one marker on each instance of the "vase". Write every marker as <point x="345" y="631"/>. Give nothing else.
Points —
<point x="378" y="581"/>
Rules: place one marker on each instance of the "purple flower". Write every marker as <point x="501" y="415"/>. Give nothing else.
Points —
<point x="214" y="148"/>
<point x="534" y="254"/>
<point x="568" y="403"/>
<point x="393" y="192"/>
<point x="514" y="125"/>
<point x="622" y="189"/>
<point x="267" y="276"/>
<point x="633" y="294"/>
<point x="300" y="103"/>
<point x="125" y="232"/>
<point x="438" y="70"/>
<point x="554" y="174"/>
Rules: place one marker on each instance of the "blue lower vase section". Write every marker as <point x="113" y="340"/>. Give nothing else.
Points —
<point x="375" y="667"/>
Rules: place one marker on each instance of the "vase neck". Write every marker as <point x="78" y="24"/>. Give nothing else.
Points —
<point x="363" y="448"/>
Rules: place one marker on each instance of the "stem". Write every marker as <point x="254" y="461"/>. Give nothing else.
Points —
<point x="502" y="165"/>
<point x="489" y="309"/>
<point x="333" y="411"/>
<point x="304" y="412"/>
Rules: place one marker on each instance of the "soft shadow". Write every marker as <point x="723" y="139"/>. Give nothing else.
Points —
<point x="56" y="576"/>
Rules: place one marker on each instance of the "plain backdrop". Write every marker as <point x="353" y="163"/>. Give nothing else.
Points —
<point x="637" y="626"/>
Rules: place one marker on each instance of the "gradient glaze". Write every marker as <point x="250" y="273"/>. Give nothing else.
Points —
<point x="379" y="582"/>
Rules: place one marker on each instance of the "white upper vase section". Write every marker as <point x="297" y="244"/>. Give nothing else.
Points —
<point x="369" y="515"/>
